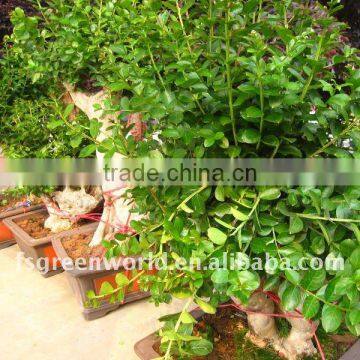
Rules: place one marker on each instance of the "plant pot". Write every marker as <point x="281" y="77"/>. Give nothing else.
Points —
<point x="353" y="353"/>
<point x="37" y="249"/>
<point x="83" y="280"/>
<point x="6" y="236"/>
<point x="145" y="349"/>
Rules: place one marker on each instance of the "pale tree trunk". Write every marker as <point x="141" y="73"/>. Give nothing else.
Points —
<point x="116" y="215"/>
<point x="296" y="345"/>
<point x="66" y="206"/>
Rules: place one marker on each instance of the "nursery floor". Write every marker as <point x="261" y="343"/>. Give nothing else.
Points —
<point x="41" y="319"/>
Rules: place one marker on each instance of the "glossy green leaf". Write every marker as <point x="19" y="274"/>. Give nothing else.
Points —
<point x="310" y="307"/>
<point x="216" y="236"/>
<point x="331" y="318"/>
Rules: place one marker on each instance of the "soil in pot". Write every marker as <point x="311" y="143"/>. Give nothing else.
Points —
<point x="34" y="226"/>
<point x="229" y="333"/>
<point x="6" y="204"/>
<point x="77" y="246"/>
<point x="9" y="203"/>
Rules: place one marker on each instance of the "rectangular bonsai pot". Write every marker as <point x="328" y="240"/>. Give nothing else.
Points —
<point x="6" y="236"/>
<point x="37" y="249"/>
<point x="86" y="279"/>
<point x="145" y="348"/>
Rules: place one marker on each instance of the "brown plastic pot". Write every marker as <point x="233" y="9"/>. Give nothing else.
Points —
<point x="145" y="348"/>
<point x="84" y="279"/>
<point x="37" y="249"/>
<point x="6" y="236"/>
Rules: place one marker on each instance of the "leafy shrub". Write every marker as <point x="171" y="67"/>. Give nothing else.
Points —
<point x="21" y="191"/>
<point x="39" y="128"/>
<point x="34" y="121"/>
<point x="223" y="79"/>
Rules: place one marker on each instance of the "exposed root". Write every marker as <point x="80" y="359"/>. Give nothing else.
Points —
<point x="263" y="327"/>
<point x="66" y="205"/>
<point x="299" y="342"/>
<point x="57" y="224"/>
<point x="256" y="340"/>
<point x="101" y="230"/>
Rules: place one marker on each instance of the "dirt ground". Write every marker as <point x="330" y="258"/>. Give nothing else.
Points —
<point x="41" y="319"/>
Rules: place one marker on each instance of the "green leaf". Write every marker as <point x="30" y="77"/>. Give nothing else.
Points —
<point x="252" y="112"/>
<point x="187" y="318"/>
<point x="296" y="224"/>
<point x="339" y="100"/>
<point x="87" y="151"/>
<point x="248" y="280"/>
<point x="201" y="347"/>
<point x="249" y="136"/>
<point x="209" y="142"/>
<point x="343" y="211"/>
<point x="220" y="276"/>
<point x="241" y="99"/>
<point x="347" y="247"/>
<point x="354" y="316"/>
<point x="54" y="124"/>
<point x="313" y="279"/>
<point x="220" y="193"/>
<point x="223" y="223"/>
<point x="76" y="141"/>
<point x="271" y="140"/>
<point x="239" y="215"/>
<point x="318" y="245"/>
<point x="94" y="128"/>
<point x="293" y="276"/>
<point x="331" y="318"/>
<point x="120" y="296"/>
<point x="118" y="49"/>
<point x="121" y="280"/>
<point x="285" y="239"/>
<point x="355" y="259"/>
<point x="291" y="297"/>
<point x="90" y="294"/>
<point x="171" y="133"/>
<point x="206" y="307"/>
<point x="275" y="118"/>
<point x="311" y="307"/>
<point x="106" y="288"/>
<point x="185" y="208"/>
<point x="68" y="110"/>
<point x="271" y="283"/>
<point x="216" y="236"/>
<point x="270" y="194"/>
<point x="118" y="86"/>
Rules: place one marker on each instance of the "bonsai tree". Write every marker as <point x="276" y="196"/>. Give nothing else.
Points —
<point x="222" y="79"/>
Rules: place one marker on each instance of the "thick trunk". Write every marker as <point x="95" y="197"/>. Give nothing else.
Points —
<point x="65" y="206"/>
<point x="299" y="342"/>
<point x="116" y="215"/>
<point x="296" y="345"/>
